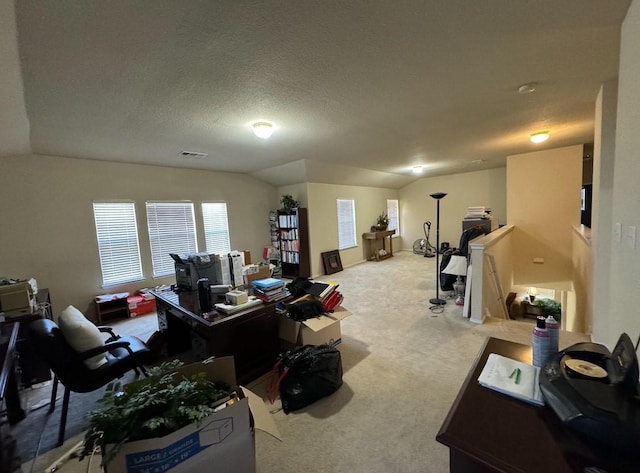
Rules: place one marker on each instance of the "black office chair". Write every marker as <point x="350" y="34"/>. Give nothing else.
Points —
<point x="122" y="354"/>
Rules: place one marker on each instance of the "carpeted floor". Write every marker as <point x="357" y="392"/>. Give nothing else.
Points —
<point x="403" y="366"/>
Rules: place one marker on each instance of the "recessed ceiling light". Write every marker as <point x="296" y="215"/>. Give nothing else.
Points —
<point x="263" y="130"/>
<point x="417" y="169"/>
<point x="539" y="137"/>
<point x="477" y="161"/>
<point x="527" y="88"/>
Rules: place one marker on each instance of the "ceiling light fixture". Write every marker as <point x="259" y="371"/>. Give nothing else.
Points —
<point x="527" y="88"/>
<point x="417" y="169"/>
<point x="263" y="130"/>
<point x="539" y="137"/>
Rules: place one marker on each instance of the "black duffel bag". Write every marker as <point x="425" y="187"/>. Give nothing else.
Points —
<point x="306" y="374"/>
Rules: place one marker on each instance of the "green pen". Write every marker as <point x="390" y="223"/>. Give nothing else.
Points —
<point x="518" y="373"/>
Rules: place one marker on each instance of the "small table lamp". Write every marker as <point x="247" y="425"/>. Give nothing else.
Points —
<point x="458" y="266"/>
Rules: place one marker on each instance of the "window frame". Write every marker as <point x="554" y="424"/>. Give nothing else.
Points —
<point x="393" y="212"/>
<point x="117" y="259"/>
<point x="341" y="231"/>
<point x="209" y="233"/>
<point x="179" y="240"/>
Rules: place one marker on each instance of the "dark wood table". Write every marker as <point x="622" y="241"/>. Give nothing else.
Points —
<point x="487" y="431"/>
<point x="11" y="409"/>
<point x="373" y="247"/>
<point x="250" y="336"/>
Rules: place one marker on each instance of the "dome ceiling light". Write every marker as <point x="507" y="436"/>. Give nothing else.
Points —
<point x="539" y="137"/>
<point x="527" y="88"/>
<point x="263" y="130"/>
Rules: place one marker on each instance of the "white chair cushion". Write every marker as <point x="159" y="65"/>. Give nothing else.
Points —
<point x="81" y="334"/>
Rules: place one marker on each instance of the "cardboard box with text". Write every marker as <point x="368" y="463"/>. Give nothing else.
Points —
<point x="222" y="443"/>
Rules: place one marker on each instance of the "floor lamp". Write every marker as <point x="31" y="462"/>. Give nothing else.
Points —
<point x="436" y="301"/>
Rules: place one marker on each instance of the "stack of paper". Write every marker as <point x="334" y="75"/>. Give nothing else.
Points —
<point x="476" y="212"/>
<point x="232" y="309"/>
<point x="511" y="377"/>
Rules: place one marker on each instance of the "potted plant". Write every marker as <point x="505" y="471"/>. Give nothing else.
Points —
<point x="151" y="407"/>
<point x="549" y="307"/>
<point x="289" y="203"/>
<point x="382" y="222"/>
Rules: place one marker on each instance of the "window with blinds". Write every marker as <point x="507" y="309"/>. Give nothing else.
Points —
<point x="394" y="216"/>
<point x="172" y="229"/>
<point x="216" y="227"/>
<point x="118" y="246"/>
<point x="346" y="224"/>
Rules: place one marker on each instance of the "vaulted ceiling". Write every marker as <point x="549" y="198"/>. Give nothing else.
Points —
<point x="358" y="91"/>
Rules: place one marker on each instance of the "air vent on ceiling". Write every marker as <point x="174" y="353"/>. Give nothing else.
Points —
<point x="192" y="154"/>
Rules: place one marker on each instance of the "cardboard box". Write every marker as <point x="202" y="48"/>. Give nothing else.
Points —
<point x="262" y="273"/>
<point x="141" y="305"/>
<point x="222" y="443"/>
<point x="315" y="331"/>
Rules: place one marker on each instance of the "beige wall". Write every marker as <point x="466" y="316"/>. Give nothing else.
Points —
<point x="543" y="202"/>
<point x="48" y="231"/>
<point x="601" y="223"/>
<point x="369" y="202"/>
<point x="581" y="318"/>
<point x="487" y="188"/>
<point x="624" y="282"/>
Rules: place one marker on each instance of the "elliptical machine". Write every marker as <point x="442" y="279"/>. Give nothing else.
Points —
<point x="422" y="246"/>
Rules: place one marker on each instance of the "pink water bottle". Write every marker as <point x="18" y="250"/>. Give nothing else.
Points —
<point x="541" y="342"/>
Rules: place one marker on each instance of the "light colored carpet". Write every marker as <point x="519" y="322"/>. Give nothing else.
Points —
<point x="403" y="367"/>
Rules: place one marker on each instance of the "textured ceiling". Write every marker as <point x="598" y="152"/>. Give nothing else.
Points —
<point x="371" y="88"/>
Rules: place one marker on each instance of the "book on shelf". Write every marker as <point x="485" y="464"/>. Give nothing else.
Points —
<point x="513" y="378"/>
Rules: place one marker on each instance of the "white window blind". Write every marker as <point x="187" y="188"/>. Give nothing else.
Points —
<point x="216" y="227"/>
<point x="394" y="216"/>
<point x="172" y="229"/>
<point x="346" y="224"/>
<point x="118" y="246"/>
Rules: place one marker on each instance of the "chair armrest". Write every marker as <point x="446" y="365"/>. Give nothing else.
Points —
<point x="109" y="330"/>
<point x="103" y="349"/>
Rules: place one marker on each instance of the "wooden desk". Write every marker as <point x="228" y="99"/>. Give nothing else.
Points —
<point x="251" y="336"/>
<point x="487" y="431"/>
<point x="11" y="410"/>
<point x="377" y="241"/>
<point x="33" y="369"/>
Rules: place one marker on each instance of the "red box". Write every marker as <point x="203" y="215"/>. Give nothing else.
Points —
<point x="141" y="305"/>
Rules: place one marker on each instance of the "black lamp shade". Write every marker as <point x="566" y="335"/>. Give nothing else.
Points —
<point x="438" y="195"/>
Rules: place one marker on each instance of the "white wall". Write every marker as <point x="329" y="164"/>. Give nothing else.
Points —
<point x="601" y="223"/>
<point x="48" y="231"/>
<point x="487" y="188"/>
<point x="14" y="124"/>
<point x="624" y="284"/>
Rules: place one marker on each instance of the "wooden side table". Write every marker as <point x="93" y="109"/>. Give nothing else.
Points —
<point x="376" y="241"/>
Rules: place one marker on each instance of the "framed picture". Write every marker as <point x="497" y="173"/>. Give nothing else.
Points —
<point x="331" y="261"/>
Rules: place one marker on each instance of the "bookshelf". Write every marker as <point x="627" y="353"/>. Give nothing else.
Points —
<point x="293" y="238"/>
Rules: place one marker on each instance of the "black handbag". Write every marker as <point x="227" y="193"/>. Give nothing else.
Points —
<point x="306" y="374"/>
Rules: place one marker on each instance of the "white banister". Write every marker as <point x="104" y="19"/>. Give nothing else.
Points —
<point x="479" y="290"/>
